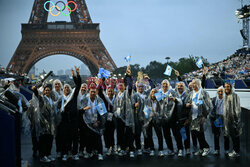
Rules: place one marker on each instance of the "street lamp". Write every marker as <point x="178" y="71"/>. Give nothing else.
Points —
<point x="167" y="58"/>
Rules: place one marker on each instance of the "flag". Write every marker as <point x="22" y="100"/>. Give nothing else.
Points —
<point x="147" y="112"/>
<point x="159" y="96"/>
<point x="243" y="72"/>
<point x="218" y="123"/>
<point x="199" y="63"/>
<point x="103" y="73"/>
<point x="128" y="58"/>
<point x="100" y="107"/>
<point x="19" y="103"/>
<point x="183" y="133"/>
<point x="168" y="70"/>
<point x="231" y="82"/>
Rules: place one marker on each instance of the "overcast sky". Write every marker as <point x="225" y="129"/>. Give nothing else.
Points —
<point x="147" y="29"/>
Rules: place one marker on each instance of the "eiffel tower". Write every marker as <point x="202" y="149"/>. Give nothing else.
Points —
<point x="78" y="38"/>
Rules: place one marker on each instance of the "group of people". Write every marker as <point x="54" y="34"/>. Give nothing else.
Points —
<point x="78" y="118"/>
<point x="236" y="67"/>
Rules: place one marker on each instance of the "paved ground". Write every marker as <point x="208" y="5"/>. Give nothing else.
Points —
<point x="144" y="160"/>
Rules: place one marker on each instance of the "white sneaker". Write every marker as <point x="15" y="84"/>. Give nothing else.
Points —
<point x="180" y="153"/>
<point x="216" y="152"/>
<point x="121" y="153"/>
<point x="146" y="151"/>
<point x="65" y="157"/>
<point x="139" y="152"/>
<point x="160" y="154"/>
<point x="206" y="151"/>
<point x="109" y="151"/>
<point x="51" y="158"/>
<point x="131" y="154"/>
<point x="188" y="152"/>
<point x="170" y="153"/>
<point x="45" y="159"/>
<point x="75" y="157"/>
<point x="233" y="154"/>
<point x="87" y="155"/>
<point x="118" y="149"/>
<point x="152" y="153"/>
<point x="195" y="149"/>
<point x="100" y="157"/>
<point x="199" y="152"/>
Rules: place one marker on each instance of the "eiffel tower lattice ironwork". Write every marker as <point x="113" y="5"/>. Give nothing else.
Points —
<point x="78" y="38"/>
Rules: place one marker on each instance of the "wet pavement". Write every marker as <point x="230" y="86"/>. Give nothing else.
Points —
<point x="145" y="160"/>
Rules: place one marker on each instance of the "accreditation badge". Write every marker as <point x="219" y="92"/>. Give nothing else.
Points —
<point x="118" y="111"/>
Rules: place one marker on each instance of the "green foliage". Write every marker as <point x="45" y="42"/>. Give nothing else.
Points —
<point x="156" y="69"/>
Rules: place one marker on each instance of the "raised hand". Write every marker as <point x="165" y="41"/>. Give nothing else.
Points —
<point x="204" y="70"/>
<point x="77" y="70"/>
<point x="177" y="73"/>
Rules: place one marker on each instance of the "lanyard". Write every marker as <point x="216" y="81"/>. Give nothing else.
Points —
<point x="90" y="103"/>
<point x="49" y="100"/>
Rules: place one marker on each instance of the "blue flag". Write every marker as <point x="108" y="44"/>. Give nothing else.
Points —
<point x="103" y="73"/>
<point x="168" y="70"/>
<point x="218" y="123"/>
<point x="183" y="133"/>
<point x="231" y="82"/>
<point x="101" y="108"/>
<point x="243" y="72"/>
<point x="159" y="96"/>
<point x="128" y="58"/>
<point x="147" y="112"/>
<point x="19" y="103"/>
<point x="199" y="63"/>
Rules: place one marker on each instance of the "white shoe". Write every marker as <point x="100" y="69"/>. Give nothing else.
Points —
<point x="109" y="151"/>
<point x="146" y="151"/>
<point x="188" y="152"/>
<point x="216" y="152"/>
<point x="121" y="153"/>
<point x="199" y="152"/>
<point x="180" y="153"/>
<point x="118" y="149"/>
<point x="195" y="149"/>
<point x="206" y="151"/>
<point x="87" y="155"/>
<point x="65" y="157"/>
<point x="233" y="154"/>
<point x="131" y="154"/>
<point x="160" y="154"/>
<point x="75" y="157"/>
<point x="100" y="157"/>
<point x="139" y="152"/>
<point x="152" y="153"/>
<point x="51" y="158"/>
<point x="45" y="159"/>
<point x="170" y="153"/>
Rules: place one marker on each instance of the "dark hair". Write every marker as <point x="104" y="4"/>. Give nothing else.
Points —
<point x="48" y="86"/>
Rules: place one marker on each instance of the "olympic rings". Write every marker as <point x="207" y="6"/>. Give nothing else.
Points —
<point x="67" y="4"/>
<point x="62" y="3"/>
<point x="50" y="11"/>
<point x="46" y="4"/>
<point x="68" y="10"/>
<point x="60" y="10"/>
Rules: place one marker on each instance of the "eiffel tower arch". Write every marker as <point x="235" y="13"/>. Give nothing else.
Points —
<point x="78" y="38"/>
